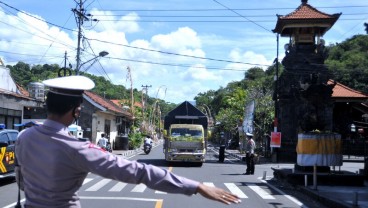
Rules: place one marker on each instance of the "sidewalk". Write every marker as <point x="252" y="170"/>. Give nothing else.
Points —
<point x="331" y="196"/>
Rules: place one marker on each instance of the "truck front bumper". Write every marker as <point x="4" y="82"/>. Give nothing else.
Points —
<point x="186" y="157"/>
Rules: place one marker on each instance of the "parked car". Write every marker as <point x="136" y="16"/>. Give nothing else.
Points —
<point x="7" y="152"/>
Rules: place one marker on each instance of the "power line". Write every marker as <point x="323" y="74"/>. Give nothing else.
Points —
<point x="213" y="21"/>
<point x="36" y="44"/>
<point x="180" y="65"/>
<point x="25" y="31"/>
<point x="242" y="16"/>
<point x="144" y="62"/>
<point x="103" y="69"/>
<point x="176" y="54"/>
<point x="36" y="17"/>
<point x="201" y="16"/>
<point x="53" y="41"/>
<point x="27" y="54"/>
<point x="241" y="9"/>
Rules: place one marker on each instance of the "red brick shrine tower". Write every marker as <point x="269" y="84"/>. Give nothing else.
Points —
<point x="303" y="95"/>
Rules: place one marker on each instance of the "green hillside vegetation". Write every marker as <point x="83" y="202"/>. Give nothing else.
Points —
<point x="23" y="74"/>
<point x="348" y="62"/>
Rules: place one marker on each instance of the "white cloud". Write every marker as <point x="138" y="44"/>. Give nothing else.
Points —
<point x="109" y="22"/>
<point x="199" y="72"/>
<point x="180" y="40"/>
<point x="248" y="57"/>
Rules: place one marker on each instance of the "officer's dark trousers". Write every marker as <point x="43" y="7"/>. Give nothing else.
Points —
<point x="250" y="164"/>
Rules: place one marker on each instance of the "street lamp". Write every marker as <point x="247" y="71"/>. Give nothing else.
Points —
<point x="94" y="59"/>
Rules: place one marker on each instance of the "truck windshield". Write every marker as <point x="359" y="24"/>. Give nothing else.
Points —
<point x="186" y="132"/>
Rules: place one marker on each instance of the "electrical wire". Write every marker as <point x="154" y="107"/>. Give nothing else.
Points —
<point x="209" y="21"/>
<point x="176" y="54"/>
<point x="242" y="9"/>
<point x="25" y="31"/>
<point x="202" y="16"/>
<point x="54" y="40"/>
<point x="178" y="65"/>
<point x="35" y="55"/>
<point x="37" y="17"/>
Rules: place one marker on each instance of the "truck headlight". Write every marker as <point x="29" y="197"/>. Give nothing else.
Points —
<point x="173" y="150"/>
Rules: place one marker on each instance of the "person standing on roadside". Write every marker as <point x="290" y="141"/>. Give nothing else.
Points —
<point x="102" y="142"/>
<point x="250" y="146"/>
<point x="53" y="164"/>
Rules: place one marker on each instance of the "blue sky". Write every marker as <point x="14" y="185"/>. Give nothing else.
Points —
<point x="180" y="48"/>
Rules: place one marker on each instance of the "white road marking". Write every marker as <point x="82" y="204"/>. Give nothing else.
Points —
<point x="99" y="185"/>
<point x="86" y="180"/>
<point x="139" y="188"/>
<point x="235" y="190"/>
<point x="160" y="192"/>
<point x="118" y="187"/>
<point x="12" y="205"/>
<point x="296" y="201"/>
<point x="262" y="193"/>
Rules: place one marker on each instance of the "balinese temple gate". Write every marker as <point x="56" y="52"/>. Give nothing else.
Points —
<point x="305" y="107"/>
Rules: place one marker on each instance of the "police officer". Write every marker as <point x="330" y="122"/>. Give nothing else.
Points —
<point x="250" y="146"/>
<point x="53" y="164"/>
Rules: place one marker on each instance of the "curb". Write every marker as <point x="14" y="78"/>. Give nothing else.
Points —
<point x="240" y="157"/>
<point x="324" y="200"/>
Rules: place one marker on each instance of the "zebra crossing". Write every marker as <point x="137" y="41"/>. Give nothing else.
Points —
<point x="108" y="185"/>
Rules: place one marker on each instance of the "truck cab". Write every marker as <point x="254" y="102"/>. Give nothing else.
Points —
<point x="185" y="143"/>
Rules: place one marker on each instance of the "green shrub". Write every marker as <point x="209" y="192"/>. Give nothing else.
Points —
<point x="135" y="140"/>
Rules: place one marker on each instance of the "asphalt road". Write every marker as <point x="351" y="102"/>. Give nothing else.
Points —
<point x="253" y="190"/>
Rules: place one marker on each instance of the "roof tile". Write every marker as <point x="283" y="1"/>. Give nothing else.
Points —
<point x="306" y="11"/>
<point x="342" y="91"/>
<point x="105" y="103"/>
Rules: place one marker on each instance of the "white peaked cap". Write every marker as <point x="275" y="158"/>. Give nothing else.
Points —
<point x="69" y="85"/>
<point x="249" y="134"/>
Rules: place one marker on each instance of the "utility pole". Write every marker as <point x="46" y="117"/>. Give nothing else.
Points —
<point x="145" y="88"/>
<point x="129" y="76"/>
<point x="80" y="16"/>
<point x="65" y="60"/>
<point x="65" y="71"/>
<point x="276" y="85"/>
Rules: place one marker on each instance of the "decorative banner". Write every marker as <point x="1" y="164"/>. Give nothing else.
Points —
<point x="275" y="139"/>
<point x="248" y="117"/>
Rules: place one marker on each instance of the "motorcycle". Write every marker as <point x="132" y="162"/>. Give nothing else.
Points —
<point x="147" y="148"/>
<point x="108" y="147"/>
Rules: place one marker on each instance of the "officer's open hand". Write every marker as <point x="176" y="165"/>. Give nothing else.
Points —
<point x="218" y="194"/>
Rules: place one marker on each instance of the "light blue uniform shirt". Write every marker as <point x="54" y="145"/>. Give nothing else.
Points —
<point x="54" y="165"/>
